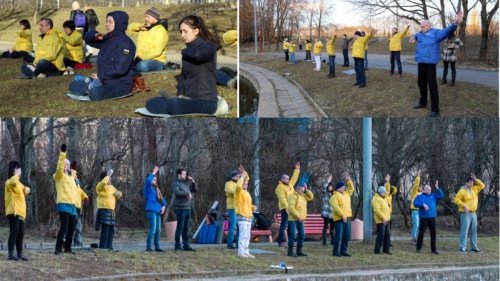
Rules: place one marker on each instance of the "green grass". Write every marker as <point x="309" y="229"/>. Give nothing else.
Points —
<point x="217" y="261"/>
<point x="384" y="95"/>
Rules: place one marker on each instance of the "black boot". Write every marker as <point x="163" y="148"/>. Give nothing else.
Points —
<point x="12" y="257"/>
<point x="452" y="83"/>
<point x="444" y="81"/>
<point x="290" y="252"/>
<point x="300" y="253"/>
<point x="20" y="256"/>
<point x="324" y="237"/>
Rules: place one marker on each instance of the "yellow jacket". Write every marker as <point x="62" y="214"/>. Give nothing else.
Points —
<point x="72" y="46"/>
<point x="286" y="45"/>
<point x="230" y="38"/>
<point x="317" y="47"/>
<point x="390" y="190"/>
<point x="292" y="47"/>
<point x="66" y="189"/>
<point x="340" y="204"/>
<point x="380" y="208"/>
<point x="81" y="193"/>
<point x="282" y="191"/>
<point x="243" y="202"/>
<point x="50" y="48"/>
<point x="230" y="189"/>
<point x="414" y="192"/>
<point x="468" y="197"/>
<point x="309" y="46"/>
<point x="24" y="41"/>
<point x="297" y="205"/>
<point x="107" y="194"/>
<point x="15" y="201"/>
<point x="359" y="46"/>
<point x="330" y="46"/>
<point x="151" y="44"/>
<point x="395" y="41"/>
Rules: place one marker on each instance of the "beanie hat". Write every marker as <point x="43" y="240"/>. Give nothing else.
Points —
<point x="363" y="33"/>
<point x="153" y="12"/>
<point x="381" y="189"/>
<point x="339" y="184"/>
<point x="234" y="173"/>
<point x="357" y="33"/>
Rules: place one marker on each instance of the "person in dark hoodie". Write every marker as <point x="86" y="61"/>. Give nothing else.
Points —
<point x="155" y="208"/>
<point x="196" y="89"/>
<point x="183" y="189"/>
<point x="114" y="77"/>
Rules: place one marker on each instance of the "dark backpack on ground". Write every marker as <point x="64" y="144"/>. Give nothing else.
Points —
<point x="80" y="19"/>
<point x="261" y="221"/>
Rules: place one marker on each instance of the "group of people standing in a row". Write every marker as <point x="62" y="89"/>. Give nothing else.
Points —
<point x="427" y="56"/>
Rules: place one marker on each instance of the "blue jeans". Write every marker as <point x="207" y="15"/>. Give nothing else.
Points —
<point x="366" y="60"/>
<point x="283" y="225"/>
<point x="415" y="221"/>
<point x="292" y="227"/>
<point x="148" y="65"/>
<point x="292" y="58"/>
<point x="222" y="77"/>
<point x="341" y="238"/>
<point x="231" y="237"/>
<point x="176" y="106"/>
<point x="154" y="230"/>
<point x="331" y="65"/>
<point x="183" y="216"/>
<point x="106" y="91"/>
<point x="360" y="71"/>
<point x="396" y="58"/>
<point x="107" y="233"/>
<point x="42" y="67"/>
<point x="468" y="222"/>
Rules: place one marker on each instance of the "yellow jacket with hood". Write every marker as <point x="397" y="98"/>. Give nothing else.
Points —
<point x="151" y="43"/>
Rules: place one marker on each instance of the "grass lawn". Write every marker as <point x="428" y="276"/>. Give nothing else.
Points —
<point x="217" y="261"/>
<point x="384" y="95"/>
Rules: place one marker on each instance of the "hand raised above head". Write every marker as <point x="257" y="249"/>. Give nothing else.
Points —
<point x="63" y="147"/>
<point x="155" y="170"/>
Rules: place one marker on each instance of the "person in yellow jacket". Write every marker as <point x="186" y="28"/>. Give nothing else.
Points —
<point x="82" y="200"/>
<point x="48" y="59"/>
<point x="292" y="49"/>
<point x="381" y="215"/>
<point x="286" y="47"/>
<point x="308" y="49"/>
<point x="318" y="46"/>
<point x="15" y="210"/>
<point x="297" y="211"/>
<point x="415" y="220"/>
<point x="72" y="47"/>
<point x="358" y="53"/>
<point x="395" y="49"/>
<point x="67" y="197"/>
<point x="236" y="178"/>
<point x="24" y="44"/>
<point x="330" y="49"/>
<point x="244" y="214"/>
<point x="390" y="191"/>
<point x="467" y="202"/>
<point x="107" y="195"/>
<point x="282" y="191"/>
<point x="342" y="212"/>
<point x="152" y="40"/>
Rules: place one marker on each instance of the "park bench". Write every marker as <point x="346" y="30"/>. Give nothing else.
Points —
<point x="257" y="233"/>
<point x="312" y="226"/>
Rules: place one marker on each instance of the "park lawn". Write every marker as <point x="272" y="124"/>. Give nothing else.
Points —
<point x="47" y="97"/>
<point x="384" y="95"/>
<point x="217" y="261"/>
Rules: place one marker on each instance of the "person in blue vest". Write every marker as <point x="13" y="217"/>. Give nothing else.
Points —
<point x="427" y="56"/>
<point x="155" y="208"/>
<point x="426" y="204"/>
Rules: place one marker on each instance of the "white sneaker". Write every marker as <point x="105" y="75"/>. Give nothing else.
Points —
<point x="250" y="256"/>
<point x="41" y="76"/>
<point x="31" y="67"/>
<point x="242" y="255"/>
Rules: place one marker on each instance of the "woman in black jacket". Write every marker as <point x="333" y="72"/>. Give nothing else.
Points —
<point x="196" y="89"/>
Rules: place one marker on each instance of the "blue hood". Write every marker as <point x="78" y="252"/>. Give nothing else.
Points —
<point x="121" y="21"/>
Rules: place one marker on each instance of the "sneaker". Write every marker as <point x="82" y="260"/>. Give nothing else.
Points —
<point x="178" y="249"/>
<point x="250" y="256"/>
<point x="231" y="247"/>
<point x="476" y="251"/>
<point x="387" y="253"/>
<point x="189" y="249"/>
<point x="41" y="76"/>
<point x="462" y="251"/>
<point x="149" y="250"/>
<point x="346" y="254"/>
<point x="435" y="252"/>
<point x="159" y="250"/>
<point x="242" y="255"/>
<point x="57" y="253"/>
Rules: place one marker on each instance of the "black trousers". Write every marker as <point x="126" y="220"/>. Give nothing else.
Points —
<point x="68" y="223"/>
<point x="424" y="224"/>
<point x="345" y="52"/>
<point x="14" y="54"/>
<point x="453" y="69"/>
<point x="286" y="54"/>
<point x="107" y="233"/>
<point x="16" y="234"/>
<point x="383" y="238"/>
<point x="427" y="77"/>
<point x="328" y="222"/>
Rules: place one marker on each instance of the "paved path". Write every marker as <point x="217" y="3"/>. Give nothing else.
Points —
<point x="278" y="97"/>
<point x="486" y="78"/>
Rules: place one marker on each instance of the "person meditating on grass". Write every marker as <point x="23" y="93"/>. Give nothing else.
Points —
<point x="24" y="44"/>
<point x="72" y="47"/>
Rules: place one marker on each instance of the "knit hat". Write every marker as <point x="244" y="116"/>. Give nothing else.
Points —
<point x="381" y="189"/>
<point x="153" y="12"/>
<point x="234" y="173"/>
<point x="357" y="33"/>
<point x="363" y="33"/>
<point x="339" y="184"/>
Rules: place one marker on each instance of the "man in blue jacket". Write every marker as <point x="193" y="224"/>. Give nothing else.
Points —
<point x="426" y="204"/>
<point x="427" y="56"/>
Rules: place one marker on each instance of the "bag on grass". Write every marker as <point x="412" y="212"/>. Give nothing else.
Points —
<point x="261" y="221"/>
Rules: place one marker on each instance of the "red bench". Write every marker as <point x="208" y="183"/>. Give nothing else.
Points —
<point x="257" y="233"/>
<point x="312" y="226"/>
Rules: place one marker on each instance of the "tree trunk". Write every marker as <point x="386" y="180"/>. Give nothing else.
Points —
<point x="27" y="155"/>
